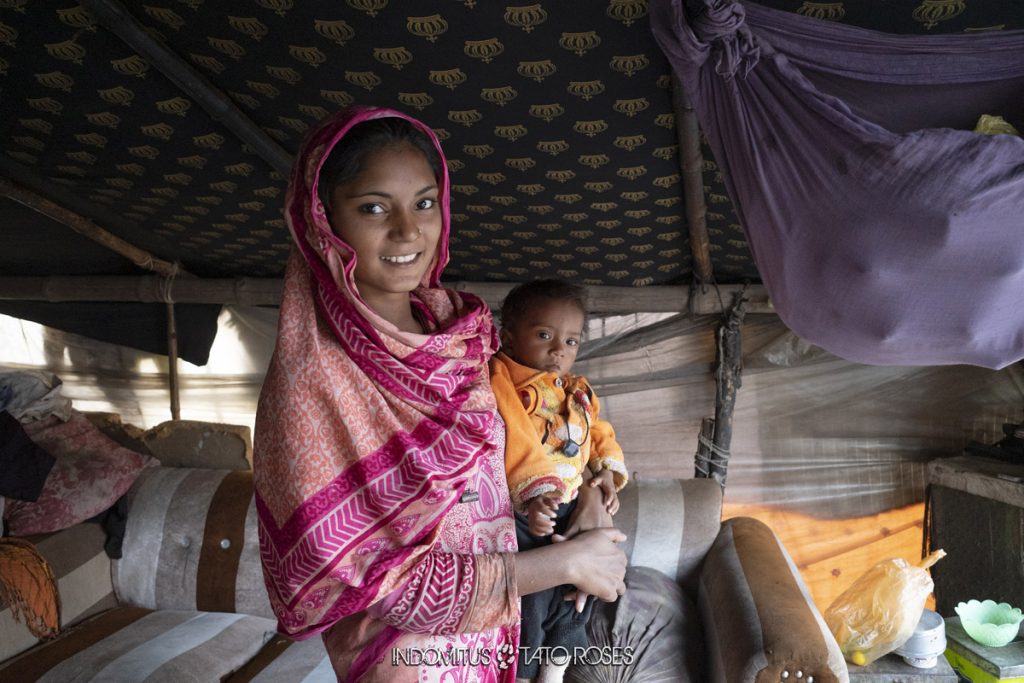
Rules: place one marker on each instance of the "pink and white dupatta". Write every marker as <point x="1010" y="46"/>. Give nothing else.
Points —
<point x="365" y="435"/>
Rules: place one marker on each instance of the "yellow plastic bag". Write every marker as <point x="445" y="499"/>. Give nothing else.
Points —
<point x="994" y="125"/>
<point x="880" y="610"/>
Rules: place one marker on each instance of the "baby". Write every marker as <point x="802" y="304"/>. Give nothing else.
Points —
<point x="554" y="440"/>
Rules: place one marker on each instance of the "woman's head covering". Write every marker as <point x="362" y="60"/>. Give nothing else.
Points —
<point x="307" y="219"/>
<point x="365" y="434"/>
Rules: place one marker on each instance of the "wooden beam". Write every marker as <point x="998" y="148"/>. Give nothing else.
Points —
<point x="609" y="299"/>
<point x="72" y="199"/>
<point x="86" y="227"/>
<point x="113" y="16"/>
<point x="691" y="161"/>
<point x="142" y="289"/>
<point x="267" y="292"/>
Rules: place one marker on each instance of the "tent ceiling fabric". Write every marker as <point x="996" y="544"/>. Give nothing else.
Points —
<point x="557" y="118"/>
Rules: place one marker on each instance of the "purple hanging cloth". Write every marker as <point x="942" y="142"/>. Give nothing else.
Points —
<point x="884" y="229"/>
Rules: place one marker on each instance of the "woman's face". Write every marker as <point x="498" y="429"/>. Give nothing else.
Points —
<point x="390" y="214"/>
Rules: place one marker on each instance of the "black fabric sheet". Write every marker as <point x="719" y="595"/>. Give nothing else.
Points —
<point x="140" y="326"/>
<point x="24" y="466"/>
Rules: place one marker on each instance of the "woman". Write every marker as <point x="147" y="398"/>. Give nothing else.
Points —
<point x="385" y="522"/>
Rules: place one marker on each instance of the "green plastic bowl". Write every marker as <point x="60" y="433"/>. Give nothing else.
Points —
<point x="990" y="623"/>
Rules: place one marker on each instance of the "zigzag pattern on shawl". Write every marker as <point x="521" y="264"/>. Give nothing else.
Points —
<point x="426" y="604"/>
<point x="397" y="377"/>
<point x="308" y="617"/>
<point x="358" y="503"/>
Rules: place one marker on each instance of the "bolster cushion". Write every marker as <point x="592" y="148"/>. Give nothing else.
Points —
<point x="283" y="660"/>
<point x="670" y="525"/>
<point x="82" y="570"/>
<point x="191" y="543"/>
<point x="138" y="644"/>
<point x="760" y="622"/>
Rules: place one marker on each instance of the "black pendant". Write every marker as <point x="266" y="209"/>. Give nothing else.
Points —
<point x="571" y="448"/>
<point x="469" y="496"/>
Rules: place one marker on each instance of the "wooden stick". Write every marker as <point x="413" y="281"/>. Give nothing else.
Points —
<point x="86" y="227"/>
<point x="172" y="362"/>
<point x="702" y="458"/>
<point x="607" y="300"/>
<point x="728" y="380"/>
<point x="691" y="161"/>
<point x="70" y="198"/>
<point x="116" y="18"/>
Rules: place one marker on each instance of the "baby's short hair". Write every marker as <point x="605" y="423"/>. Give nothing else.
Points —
<point x="526" y="295"/>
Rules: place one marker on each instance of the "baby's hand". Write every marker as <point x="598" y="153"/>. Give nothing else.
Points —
<point x="541" y="515"/>
<point x="578" y="597"/>
<point x="605" y="479"/>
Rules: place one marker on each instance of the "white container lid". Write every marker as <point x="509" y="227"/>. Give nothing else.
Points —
<point x="926" y="643"/>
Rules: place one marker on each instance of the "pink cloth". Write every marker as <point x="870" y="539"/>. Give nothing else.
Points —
<point x="366" y="437"/>
<point x="471" y="531"/>
<point x="91" y="472"/>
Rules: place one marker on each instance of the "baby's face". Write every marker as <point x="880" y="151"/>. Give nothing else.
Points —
<point x="547" y="337"/>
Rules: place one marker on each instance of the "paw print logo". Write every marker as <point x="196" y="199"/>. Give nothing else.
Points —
<point x="506" y="656"/>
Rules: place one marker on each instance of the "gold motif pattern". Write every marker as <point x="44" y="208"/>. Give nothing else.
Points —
<point x="580" y="43"/>
<point x="556" y="118"/>
<point x="250" y="26"/>
<point x="931" y="12"/>
<point x="429" y="27"/>
<point x="526" y="17"/>
<point x="826" y="11"/>
<point x="484" y="50"/>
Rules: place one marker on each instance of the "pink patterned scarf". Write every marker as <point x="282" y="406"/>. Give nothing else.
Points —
<point x="364" y="433"/>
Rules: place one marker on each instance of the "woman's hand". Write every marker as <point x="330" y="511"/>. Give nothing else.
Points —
<point x="591" y="561"/>
<point x="597" y="565"/>
<point x="590" y="512"/>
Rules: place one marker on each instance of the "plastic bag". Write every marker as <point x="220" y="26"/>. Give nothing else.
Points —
<point x="994" y="125"/>
<point x="880" y="610"/>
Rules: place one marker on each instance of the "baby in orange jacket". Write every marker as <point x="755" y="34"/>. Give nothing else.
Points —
<point x="553" y="434"/>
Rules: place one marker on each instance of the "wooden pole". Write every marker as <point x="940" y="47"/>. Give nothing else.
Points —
<point x="113" y="16"/>
<point x="67" y="197"/>
<point x="86" y="227"/>
<point x="702" y="459"/>
<point x="727" y="380"/>
<point x="172" y="362"/>
<point x="691" y="161"/>
<point x="267" y="292"/>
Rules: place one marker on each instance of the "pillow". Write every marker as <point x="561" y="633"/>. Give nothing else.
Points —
<point x="91" y="473"/>
<point x="652" y="633"/>
<point x="137" y="644"/>
<point x="759" y="618"/>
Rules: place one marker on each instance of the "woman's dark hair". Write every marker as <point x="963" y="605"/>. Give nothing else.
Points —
<point x="525" y="296"/>
<point x="347" y="158"/>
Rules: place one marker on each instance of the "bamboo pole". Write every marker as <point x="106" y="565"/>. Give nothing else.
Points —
<point x="607" y="300"/>
<point x="86" y="227"/>
<point x="727" y="381"/>
<point x="691" y="161"/>
<point x="172" y="362"/>
<point x="113" y="16"/>
<point x="67" y="197"/>
<point x="702" y="459"/>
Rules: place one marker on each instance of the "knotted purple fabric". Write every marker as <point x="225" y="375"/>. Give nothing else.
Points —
<point x="884" y="229"/>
